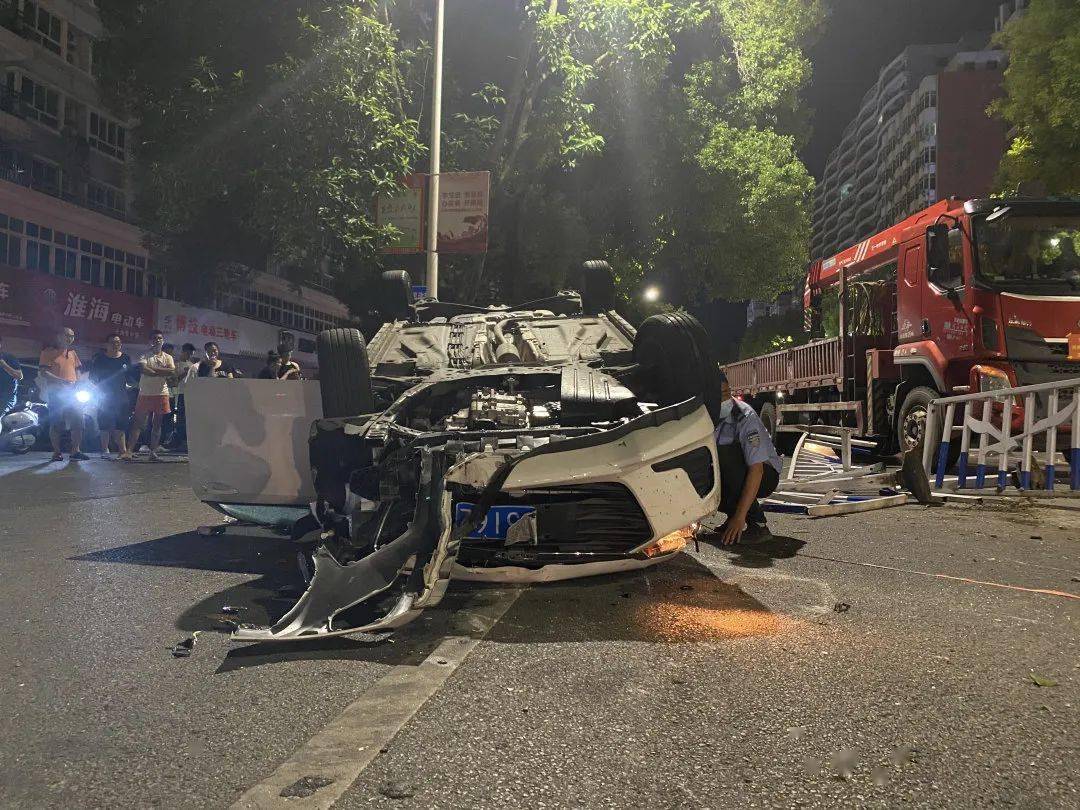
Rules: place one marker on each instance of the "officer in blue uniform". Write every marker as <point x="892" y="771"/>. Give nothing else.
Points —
<point x="749" y="469"/>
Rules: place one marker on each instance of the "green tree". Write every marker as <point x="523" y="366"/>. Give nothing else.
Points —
<point x="1042" y="97"/>
<point x="661" y="134"/>
<point x="272" y="143"/>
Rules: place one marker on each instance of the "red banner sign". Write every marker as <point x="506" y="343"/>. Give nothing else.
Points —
<point x="37" y="306"/>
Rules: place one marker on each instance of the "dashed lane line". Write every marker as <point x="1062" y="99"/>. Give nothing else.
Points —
<point x="327" y="765"/>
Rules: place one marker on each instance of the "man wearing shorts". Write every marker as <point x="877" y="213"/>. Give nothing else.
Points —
<point x="110" y="372"/>
<point x="152" y="406"/>
<point x="60" y="367"/>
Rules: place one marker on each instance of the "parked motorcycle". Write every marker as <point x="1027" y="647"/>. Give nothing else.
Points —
<point x="19" y="429"/>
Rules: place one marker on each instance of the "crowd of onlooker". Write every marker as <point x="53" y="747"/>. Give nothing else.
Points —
<point x="135" y="403"/>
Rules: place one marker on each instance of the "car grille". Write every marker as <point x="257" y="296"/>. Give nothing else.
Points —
<point x="599" y="518"/>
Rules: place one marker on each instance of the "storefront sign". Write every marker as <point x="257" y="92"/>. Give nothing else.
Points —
<point x="404" y="210"/>
<point x="37" y="306"/>
<point x="233" y="334"/>
<point x="463" y="212"/>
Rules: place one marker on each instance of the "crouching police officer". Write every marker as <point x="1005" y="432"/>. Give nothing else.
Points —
<point x="749" y="469"/>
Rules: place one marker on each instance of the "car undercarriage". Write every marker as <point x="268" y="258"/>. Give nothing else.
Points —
<point x="527" y="444"/>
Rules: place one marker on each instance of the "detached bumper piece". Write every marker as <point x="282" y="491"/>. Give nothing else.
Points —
<point x="336" y="587"/>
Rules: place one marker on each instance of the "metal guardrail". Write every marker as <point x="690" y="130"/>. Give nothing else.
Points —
<point x="1062" y="412"/>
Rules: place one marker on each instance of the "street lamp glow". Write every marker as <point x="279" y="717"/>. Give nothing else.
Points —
<point x="651" y="294"/>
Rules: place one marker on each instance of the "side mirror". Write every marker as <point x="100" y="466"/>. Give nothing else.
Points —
<point x="937" y="250"/>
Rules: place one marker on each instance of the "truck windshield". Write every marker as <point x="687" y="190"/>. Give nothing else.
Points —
<point x="1038" y="255"/>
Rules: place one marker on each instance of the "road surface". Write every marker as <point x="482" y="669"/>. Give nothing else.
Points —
<point x="867" y="660"/>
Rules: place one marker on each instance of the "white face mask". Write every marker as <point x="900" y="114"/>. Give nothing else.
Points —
<point x="726" y="407"/>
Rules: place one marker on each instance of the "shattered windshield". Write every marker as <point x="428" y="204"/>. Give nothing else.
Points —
<point x="1034" y="254"/>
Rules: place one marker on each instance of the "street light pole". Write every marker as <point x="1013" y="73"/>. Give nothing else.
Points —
<point x="433" y="178"/>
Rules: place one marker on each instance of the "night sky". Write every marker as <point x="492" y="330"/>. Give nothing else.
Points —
<point x="860" y="37"/>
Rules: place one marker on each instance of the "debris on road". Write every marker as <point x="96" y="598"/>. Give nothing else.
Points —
<point x="397" y="790"/>
<point x="843" y="763"/>
<point x="841" y="607"/>
<point x="182" y="649"/>
<point x="1041" y="680"/>
<point x="305" y="787"/>
<point x="902" y="755"/>
<point x="231" y="609"/>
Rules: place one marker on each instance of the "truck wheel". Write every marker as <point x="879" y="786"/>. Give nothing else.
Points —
<point x="911" y="425"/>
<point x="395" y="295"/>
<point x="676" y="360"/>
<point x="597" y="287"/>
<point x="344" y="374"/>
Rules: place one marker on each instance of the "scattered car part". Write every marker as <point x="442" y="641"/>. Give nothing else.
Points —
<point x="182" y="649"/>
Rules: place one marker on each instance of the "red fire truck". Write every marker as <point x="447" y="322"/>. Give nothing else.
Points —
<point x="960" y="297"/>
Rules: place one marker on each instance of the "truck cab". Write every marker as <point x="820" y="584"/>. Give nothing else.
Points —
<point x="962" y="296"/>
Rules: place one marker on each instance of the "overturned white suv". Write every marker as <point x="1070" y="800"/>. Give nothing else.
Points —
<point x="529" y="443"/>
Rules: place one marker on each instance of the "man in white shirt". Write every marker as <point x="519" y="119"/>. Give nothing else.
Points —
<point x="152" y="406"/>
<point x="186" y="367"/>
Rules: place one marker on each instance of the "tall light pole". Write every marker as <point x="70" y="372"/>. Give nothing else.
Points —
<point x="433" y="178"/>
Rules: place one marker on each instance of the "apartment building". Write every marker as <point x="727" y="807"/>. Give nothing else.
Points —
<point x="66" y="208"/>
<point x="922" y="134"/>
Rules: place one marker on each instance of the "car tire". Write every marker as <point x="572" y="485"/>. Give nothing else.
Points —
<point x="597" y="287"/>
<point x="911" y="426"/>
<point x="675" y="356"/>
<point x="767" y="415"/>
<point x="395" y="295"/>
<point x="344" y="373"/>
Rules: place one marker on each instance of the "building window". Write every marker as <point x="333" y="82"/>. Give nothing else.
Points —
<point x="80" y="48"/>
<point x="135" y="281"/>
<point x="40" y="103"/>
<point x="41" y="26"/>
<point x="37" y="255"/>
<point x="107" y="136"/>
<point x="65" y="263"/>
<point x="106" y="198"/>
<point x="114" y="275"/>
<point x="45" y="176"/>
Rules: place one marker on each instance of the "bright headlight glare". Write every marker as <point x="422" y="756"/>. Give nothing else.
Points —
<point x="82" y="396"/>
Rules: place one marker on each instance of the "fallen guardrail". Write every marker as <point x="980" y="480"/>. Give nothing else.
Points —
<point x="1049" y="409"/>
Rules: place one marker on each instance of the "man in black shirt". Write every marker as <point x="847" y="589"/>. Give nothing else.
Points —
<point x="273" y="366"/>
<point x="111" y="371"/>
<point x="10" y="375"/>
<point x="213" y="366"/>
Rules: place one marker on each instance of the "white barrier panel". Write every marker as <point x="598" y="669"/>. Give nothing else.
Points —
<point x="994" y="428"/>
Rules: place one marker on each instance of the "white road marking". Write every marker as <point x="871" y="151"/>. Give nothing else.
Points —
<point x="350" y="742"/>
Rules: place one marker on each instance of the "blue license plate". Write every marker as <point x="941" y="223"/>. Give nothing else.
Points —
<point x="498" y="521"/>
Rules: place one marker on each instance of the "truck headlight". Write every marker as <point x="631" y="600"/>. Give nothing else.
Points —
<point x="992" y="379"/>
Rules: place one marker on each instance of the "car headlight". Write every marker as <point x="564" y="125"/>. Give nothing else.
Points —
<point x="992" y="379"/>
<point x="82" y="396"/>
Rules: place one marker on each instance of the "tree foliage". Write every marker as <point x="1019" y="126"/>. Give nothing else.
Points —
<point x="272" y="143"/>
<point x="1042" y="97"/>
<point x="659" y="134"/>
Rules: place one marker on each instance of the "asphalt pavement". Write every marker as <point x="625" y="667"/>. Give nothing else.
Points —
<point x="922" y="656"/>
